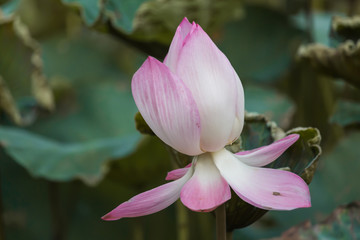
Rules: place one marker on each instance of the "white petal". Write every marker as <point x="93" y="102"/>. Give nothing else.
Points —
<point x="240" y="112"/>
<point x="263" y="187"/>
<point x="213" y="83"/>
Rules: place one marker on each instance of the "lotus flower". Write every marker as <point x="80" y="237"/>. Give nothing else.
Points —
<point x="194" y="102"/>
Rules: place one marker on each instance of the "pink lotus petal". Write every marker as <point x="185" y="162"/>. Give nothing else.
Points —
<point x="206" y="189"/>
<point x="177" y="173"/>
<point x="264" y="155"/>
<point x="215" y="87"/>
<point x="263" y="187"/>
<point x="167" y="106"/>
<point x="150" y="201"/>
<point x="176" y="45"/>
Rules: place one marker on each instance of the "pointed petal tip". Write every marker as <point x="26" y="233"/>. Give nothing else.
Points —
<point x="146" y="64"/>
<point x="150" y="59"/>
<point x="109" y="217"/>
<point x="149" y="202"/>
<point x="169" y="177"/>
<point x="177" y="173"/>
<point x="293" y="136"/>
<point x="261" y="156"/>
<point x="184" y="21"/>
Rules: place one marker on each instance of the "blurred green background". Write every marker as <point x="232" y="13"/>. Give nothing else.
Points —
<point x="69" y="149"/>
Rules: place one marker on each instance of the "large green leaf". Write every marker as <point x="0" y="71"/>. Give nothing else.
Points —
<point x="100" y="110"/>
<point x="29" y="85"/>
<point x="260" y="46"/>
<point x="87" y="56"/>
<point x="49" y="159"/>
<point x="90" y="9"/>
<point x="344" y="223"/>
<point x="150" y="25"/>
<point x="121" y="13"/>
<point x="93" y="122"/>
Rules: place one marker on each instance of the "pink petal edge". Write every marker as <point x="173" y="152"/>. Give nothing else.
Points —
<point x="264" y="155"/>
<point x="177" y="173"/>
<point x="150" y="201"/>
<point x="167" y="106"/>
<point x="177" y="43"/>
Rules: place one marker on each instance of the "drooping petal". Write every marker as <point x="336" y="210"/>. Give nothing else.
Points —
<point x="177" y="173"/>
<point x="167" y="106"/>
<point x="213" y="82"/>
<point x="177" y="43"/>
<point x="264" y="155"/>
<point x="206" y="189"/>
<point x="150" y="201"/>
<point x="263" y="187"/>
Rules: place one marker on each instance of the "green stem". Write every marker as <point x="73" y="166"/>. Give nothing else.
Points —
<point x="220" y="213"/>
<point x="182" y="222"/>
<point x="138" y="233"/>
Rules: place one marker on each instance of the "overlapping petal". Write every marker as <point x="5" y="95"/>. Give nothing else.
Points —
<point x="194" y="102"/>
<point x="167" y="106"/>
<point x="264" y="155"/>
<point x="177" y="43"/>
<point x="150" y="201"/>
<point x="213" y="82"/>
<point x="263" y="187"/>
<point x="240" y="111"/>
<point x="206" y="189"/>
<point x="177" y="173"/>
